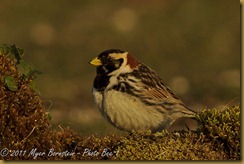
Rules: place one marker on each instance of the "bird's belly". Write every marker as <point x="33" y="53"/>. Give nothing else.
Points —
<point x="129" y="113"/>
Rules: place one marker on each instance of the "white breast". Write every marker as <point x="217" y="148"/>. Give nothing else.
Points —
<point x="128" y="112"/>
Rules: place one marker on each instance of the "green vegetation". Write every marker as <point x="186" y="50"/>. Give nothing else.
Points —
<point x="26" y="132"/>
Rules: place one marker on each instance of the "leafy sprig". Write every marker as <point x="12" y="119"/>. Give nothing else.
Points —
<point x="27" y="70"/>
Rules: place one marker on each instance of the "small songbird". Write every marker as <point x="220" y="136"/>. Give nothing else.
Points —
<point x="131" y="96"/>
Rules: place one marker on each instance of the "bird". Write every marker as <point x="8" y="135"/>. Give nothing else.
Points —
<point x="132" y="96"/>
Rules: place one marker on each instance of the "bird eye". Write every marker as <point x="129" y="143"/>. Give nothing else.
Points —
<point x="110" y="59"/>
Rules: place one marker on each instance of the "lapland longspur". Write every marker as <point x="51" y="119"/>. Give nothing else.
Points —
<point x="131" y="96"/>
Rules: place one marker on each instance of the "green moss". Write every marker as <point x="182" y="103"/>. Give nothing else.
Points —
<point x="223" y="128"/>
<point x="25" y="126"/>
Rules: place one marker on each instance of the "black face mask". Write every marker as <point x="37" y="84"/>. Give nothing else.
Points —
<point x="109" y="66"/>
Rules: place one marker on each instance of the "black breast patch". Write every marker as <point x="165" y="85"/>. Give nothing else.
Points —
<point x="101" y="82"/>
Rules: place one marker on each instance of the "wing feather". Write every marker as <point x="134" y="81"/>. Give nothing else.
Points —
<point x="153" y="89"/>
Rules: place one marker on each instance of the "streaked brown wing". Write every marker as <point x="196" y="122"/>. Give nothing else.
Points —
<point x="153" y="86"/>
<point x="157" y="93"/>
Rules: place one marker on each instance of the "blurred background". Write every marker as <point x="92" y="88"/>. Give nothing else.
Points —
<point x="194" y="45"/>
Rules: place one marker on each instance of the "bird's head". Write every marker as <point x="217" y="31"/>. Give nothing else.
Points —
<point x="114" y="62"/>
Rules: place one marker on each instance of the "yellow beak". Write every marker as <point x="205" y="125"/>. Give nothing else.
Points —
<point x="96" y="62"/>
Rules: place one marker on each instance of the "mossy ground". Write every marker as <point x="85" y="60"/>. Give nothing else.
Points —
<point x="26" y="132"/>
